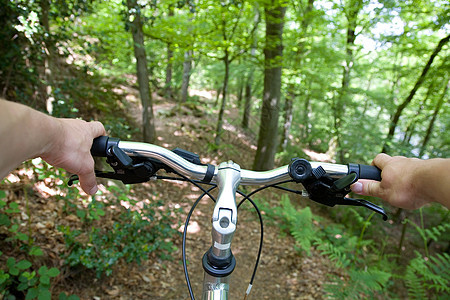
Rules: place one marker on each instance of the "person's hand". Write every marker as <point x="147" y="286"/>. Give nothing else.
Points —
<point x="399" y="185"/>
<point x="69" y="148"/>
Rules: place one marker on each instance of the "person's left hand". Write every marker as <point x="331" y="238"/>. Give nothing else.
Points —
<point x="70" y="147"/>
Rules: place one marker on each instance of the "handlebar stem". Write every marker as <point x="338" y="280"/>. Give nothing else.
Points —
<point x="224" y="217"/>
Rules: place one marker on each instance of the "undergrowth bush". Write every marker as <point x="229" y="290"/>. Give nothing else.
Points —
<point x="104" y="233"/>
<point x="368" y="269"/>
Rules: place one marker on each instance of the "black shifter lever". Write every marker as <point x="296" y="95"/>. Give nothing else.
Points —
<point x="326" y="190"/>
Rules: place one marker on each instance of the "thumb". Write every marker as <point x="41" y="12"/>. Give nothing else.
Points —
<point x="367" y="188"/>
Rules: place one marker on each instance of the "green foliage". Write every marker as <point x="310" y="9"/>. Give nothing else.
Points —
<point x="22" y="277"/>
<point x="299" y="223"/>
<point x="366" y="275"/>
<point x="427" y="276"/>
<point x="132" y="237"/>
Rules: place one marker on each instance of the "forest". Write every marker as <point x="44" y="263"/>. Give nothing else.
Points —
<point x="258" y="82"/>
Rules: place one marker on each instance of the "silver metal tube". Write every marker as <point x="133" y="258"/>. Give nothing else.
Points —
<point x="197" y="172"/>
<point x="167" y="157"/>
<point x="215" y="288"/>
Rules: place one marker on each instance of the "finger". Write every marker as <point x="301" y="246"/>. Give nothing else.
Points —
<point x="371" y="188"/>
<point x="97" y="128"/>
<point x="88" y="183"/>
<point x="381" y="160"/>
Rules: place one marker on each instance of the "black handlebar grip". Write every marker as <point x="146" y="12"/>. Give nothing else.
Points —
<point x="365" y="171"/>
<point x="101" y="144"/>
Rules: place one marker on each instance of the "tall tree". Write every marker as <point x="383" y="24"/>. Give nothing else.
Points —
<point x="433" y="119"/>
<point x="168" y="83"/>
<point x="274" y="12"/>
<point x="304" y="13"/>
<point x="134" y="14"/>
<point x="420" y="80"/>
<point x="235" y="38"/>
<point x="351" y="12"/>
<point x="250" y="75"/>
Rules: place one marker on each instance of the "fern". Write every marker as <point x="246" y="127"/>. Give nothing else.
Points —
<point x="360" y="285"/>
<point x="335" y="253"/>
<point x="435" y="232"/>
<point x="432" y="276"/>
<point x="300" y="224"/>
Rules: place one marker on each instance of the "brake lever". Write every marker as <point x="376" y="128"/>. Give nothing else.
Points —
<point x="125" y="178"/>
<point x="364" y="203"/>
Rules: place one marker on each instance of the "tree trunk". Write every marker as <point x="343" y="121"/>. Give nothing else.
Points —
<point x="410" y="129"/>
<point x="433" y="119"/>
<point x="287" y="117"/>
<point x="46" y="73"/>
<point x="408" y="99"/>
<point x="149" y="133"/>
<point x="219" y="129"/>
<point x="248" y="100"/>
<point x="240" y="90"/>
<point x="273" y="52"/>
<point x="187" y="67"/>
<point x="351" y="14"/>
<point x="168" y="83"/>
<point x="249" y="81"/>
<point x="306" y="109"/>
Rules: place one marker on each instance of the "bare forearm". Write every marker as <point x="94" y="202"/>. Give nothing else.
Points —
<point x="25" y="134"/>
<point x="433" y="180"/>
<point x="64" y="143"/>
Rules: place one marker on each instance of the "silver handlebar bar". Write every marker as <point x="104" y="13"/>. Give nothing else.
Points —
<point x="197" y="172"/>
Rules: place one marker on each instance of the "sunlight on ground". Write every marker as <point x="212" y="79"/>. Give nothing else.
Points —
<point x="193" y="227"/>
<point x="205" y="94"/>
<point x="315" y="156"/>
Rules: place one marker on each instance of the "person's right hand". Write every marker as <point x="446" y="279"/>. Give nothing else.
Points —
<point x="400" y="184"/>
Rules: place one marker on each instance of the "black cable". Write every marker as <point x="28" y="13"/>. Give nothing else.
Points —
<point x="261" y="236"/>
<point x="263" y="188"/>
<point x="186" y="224"/>
<point x="206" y="192"/>
<point x="183" y="247"/>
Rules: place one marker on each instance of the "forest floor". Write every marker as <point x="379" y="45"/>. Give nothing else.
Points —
<point x="282" y="274"/>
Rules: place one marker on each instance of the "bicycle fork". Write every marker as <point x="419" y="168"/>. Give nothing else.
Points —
<point x="218" y="261"/>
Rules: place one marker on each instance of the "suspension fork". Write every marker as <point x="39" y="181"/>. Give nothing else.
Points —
<point x="218" y="261"/>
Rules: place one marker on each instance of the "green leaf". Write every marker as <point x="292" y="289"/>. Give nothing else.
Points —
<point x="53" y="272"/>
<point x="22" y="237"/>
<point x="81" y="214"/>
<point x="32" y="293"/>
<point x="43" y="270"/>
<point x="45" y="279"/>
<point x="2" y="195"/>
<point x="23" y="264"/>
<point x="44" y="294"/>
<point x="23" y="286"/>
<point x="4" y="220"/>
<point x="36" y="251"/>
<point x="10" y="262"/>
<point x="14" y="228"/>
<point x="3" y="277"/>
<point x="29" y="275"/>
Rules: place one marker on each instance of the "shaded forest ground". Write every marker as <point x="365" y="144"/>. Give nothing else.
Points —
<point x="282" y="272"/>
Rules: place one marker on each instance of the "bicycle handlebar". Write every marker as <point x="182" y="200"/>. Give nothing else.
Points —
<point x="325" y="183"/>
<point x="101" y="146"/>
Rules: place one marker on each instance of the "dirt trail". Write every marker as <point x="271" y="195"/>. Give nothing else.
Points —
<point x="282" y="273"/>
